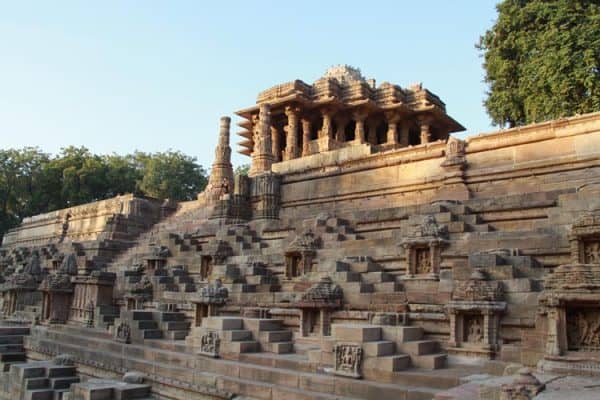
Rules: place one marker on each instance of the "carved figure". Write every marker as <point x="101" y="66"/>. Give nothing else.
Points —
<point x="209" y="344"/>
<point x="123" y="333"/>
<point x="348" y="359"/>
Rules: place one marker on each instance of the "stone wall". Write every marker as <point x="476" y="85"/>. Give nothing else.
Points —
<point x="106" y="219"/>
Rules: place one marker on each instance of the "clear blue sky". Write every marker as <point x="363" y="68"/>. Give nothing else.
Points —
<point x="116" y="76"/>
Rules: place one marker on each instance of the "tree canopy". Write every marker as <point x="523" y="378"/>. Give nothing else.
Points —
<point x="542" y="60"/>
<point x="34" y="182"/>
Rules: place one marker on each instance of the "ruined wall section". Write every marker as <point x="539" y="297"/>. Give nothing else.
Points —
<point x="117" y="218"/>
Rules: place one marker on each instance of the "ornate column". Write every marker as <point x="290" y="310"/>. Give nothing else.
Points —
<point x="326" y="129"/>
<point x="424" y="123"/>
<point x="359" y="130"/>
<point x="221" y="176"/>
<point x="404" y="131"/>
<point x="262" y="156"/>
<point x="392" y="120"/>
<point x="452" y="341"/>
<point x="305" y="137"/>
<point x="291" y="141"/>
<point x="276" y="146"/>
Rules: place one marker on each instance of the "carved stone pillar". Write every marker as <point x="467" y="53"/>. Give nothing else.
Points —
<point x="359" y="129"/>
<point x="404" y="132"/>
<point x="305" y="137"/>
<point x="221" y="177"/>
<point x="327" y="129"/>
<point x="556" y="342"/>
<point x="452" y="341"/>
<point x="275" y="144"/>
<point x="262" y="156"/>
<point x="291" y="141"/>
<point x="392" y="120"/>
<point x="424" y="124"/>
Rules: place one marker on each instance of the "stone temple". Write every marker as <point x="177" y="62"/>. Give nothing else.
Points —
<point x="368" y="254"/>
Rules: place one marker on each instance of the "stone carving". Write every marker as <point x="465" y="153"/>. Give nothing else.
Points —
<point x="348" y="360"/>
<point x="324" y="294"/>
<point x="584" y="238"/>
<point x="306" y="241"/>
<point x="69" y="265"/>
<point x="89" y="314"/>
<point x="160" y="251"/>
<point x="210" y="343"/>
<point x="388" y="319"/>
<point x="583" y="329"/>
<point x="591" y="252"/>
<point x="144" y="286"/>
<point x="214" y="293"/>
<point x="474" y="329"/>
<point x="219" y="250"/>
<point x="455" y="153"/>
<point x="300" y="253"/>
<point x="478" y="288"/>
<point x="221" y="178"/>
<point x="123" y="333"/>
<point x="422" y="246"/>
<point x="64" y="359"/>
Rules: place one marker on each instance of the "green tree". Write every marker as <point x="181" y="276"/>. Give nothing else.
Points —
<point x="171" y="175"/>
<point x="542" y="60"/>
<point x="242" y="169"/>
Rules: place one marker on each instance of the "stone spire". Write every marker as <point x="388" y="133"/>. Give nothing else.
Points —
<point x="221" y="175"/>
<point x="262" y="157"/>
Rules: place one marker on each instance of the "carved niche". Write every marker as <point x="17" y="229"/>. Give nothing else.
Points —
<point x="422" y="246"/>
<point x="123" y="333"/>
<point x="300" y="253"/>
<point x="209" y="344"/>
<point x="475" y="312"/>
<point x="571" y="297"/>
<point x="316" y="306"/>
<point x="348" y="359"/>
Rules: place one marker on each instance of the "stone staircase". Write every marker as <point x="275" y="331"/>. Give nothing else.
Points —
<point x="363" y="275"/>
<point x="385" y="348"/>
<point x="242" y="239"/>
<point x="11" y="346"/>
<point x="106" y="389"/>
<point x="249" y="277"/>
<point x="155" y="324"/>
<point x="245" y="335"/>
<point x="40" y="380"/>
<point x="332" y="229"/>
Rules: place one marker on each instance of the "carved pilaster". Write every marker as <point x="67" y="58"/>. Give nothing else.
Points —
<point x="305" y="137"/>
<point x="392" y="120"/>
<point x="275" y="144"/>
<point x="425" y="125"/>
<point x="359" y="130"/>
<point x="291" y="141"/>
<point x="262" y="157"/>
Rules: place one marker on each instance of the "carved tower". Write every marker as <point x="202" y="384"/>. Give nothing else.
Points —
<point x="221" y="175"/>
<point x="262" y="157"/>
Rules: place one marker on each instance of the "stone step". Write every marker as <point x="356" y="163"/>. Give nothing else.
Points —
<point x="235" y="335"/>
<point x="37" y="383"/>
<point x="356" y="333"/>
<point x="11" y="339"/>
<point x="11" y="331"/>
<point x="275" y="336"/>
<point x="388" y="363"/>
<point x="146" y="324"/>
<point x="59" y="394"/>
<point x="131" y="392"/>
<point x="39" y="394"/>
<point x="262" y="324"/>
<point x="12" y="357"/>
<point x="278" y="347"/>
<point x="402" y="334"/>
<point x="345" y="276"/>
<point x="419" y="347"/>
<point x="136" y="315"/>
<point x="60" y="371"/>
<point x="223" y="323"/>
<point x="242" y="346"/>
<point x="388" y="287"/>
<point x="11" y="348"/>
<point x="376" y="277"/>
<point x="379" y="348"/>
<point x="176" y="325"/>
<point x="357" y="287"/>
<point x="152" y="334"/>
<point x="166" y="316"/>
<point x="429" y="361"/>
<point x="63" y="382"/>
<point x="176" y="335"/>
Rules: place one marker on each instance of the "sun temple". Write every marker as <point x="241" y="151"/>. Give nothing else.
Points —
<point x="367" y="254"/>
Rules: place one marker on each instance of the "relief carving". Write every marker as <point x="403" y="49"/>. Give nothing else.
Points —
<point x="474" y="329"/>
<point x="348" y="359"/>
<point x="209" y="344"/>
<point x="123" y="333"/>
<point x="591" y="252"/>
<point x="423" y="261"/>
<point x="583" y="330"/>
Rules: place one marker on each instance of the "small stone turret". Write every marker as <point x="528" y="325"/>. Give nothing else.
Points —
<point x="221" y="175"/>
<point x="262" y="156"/>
